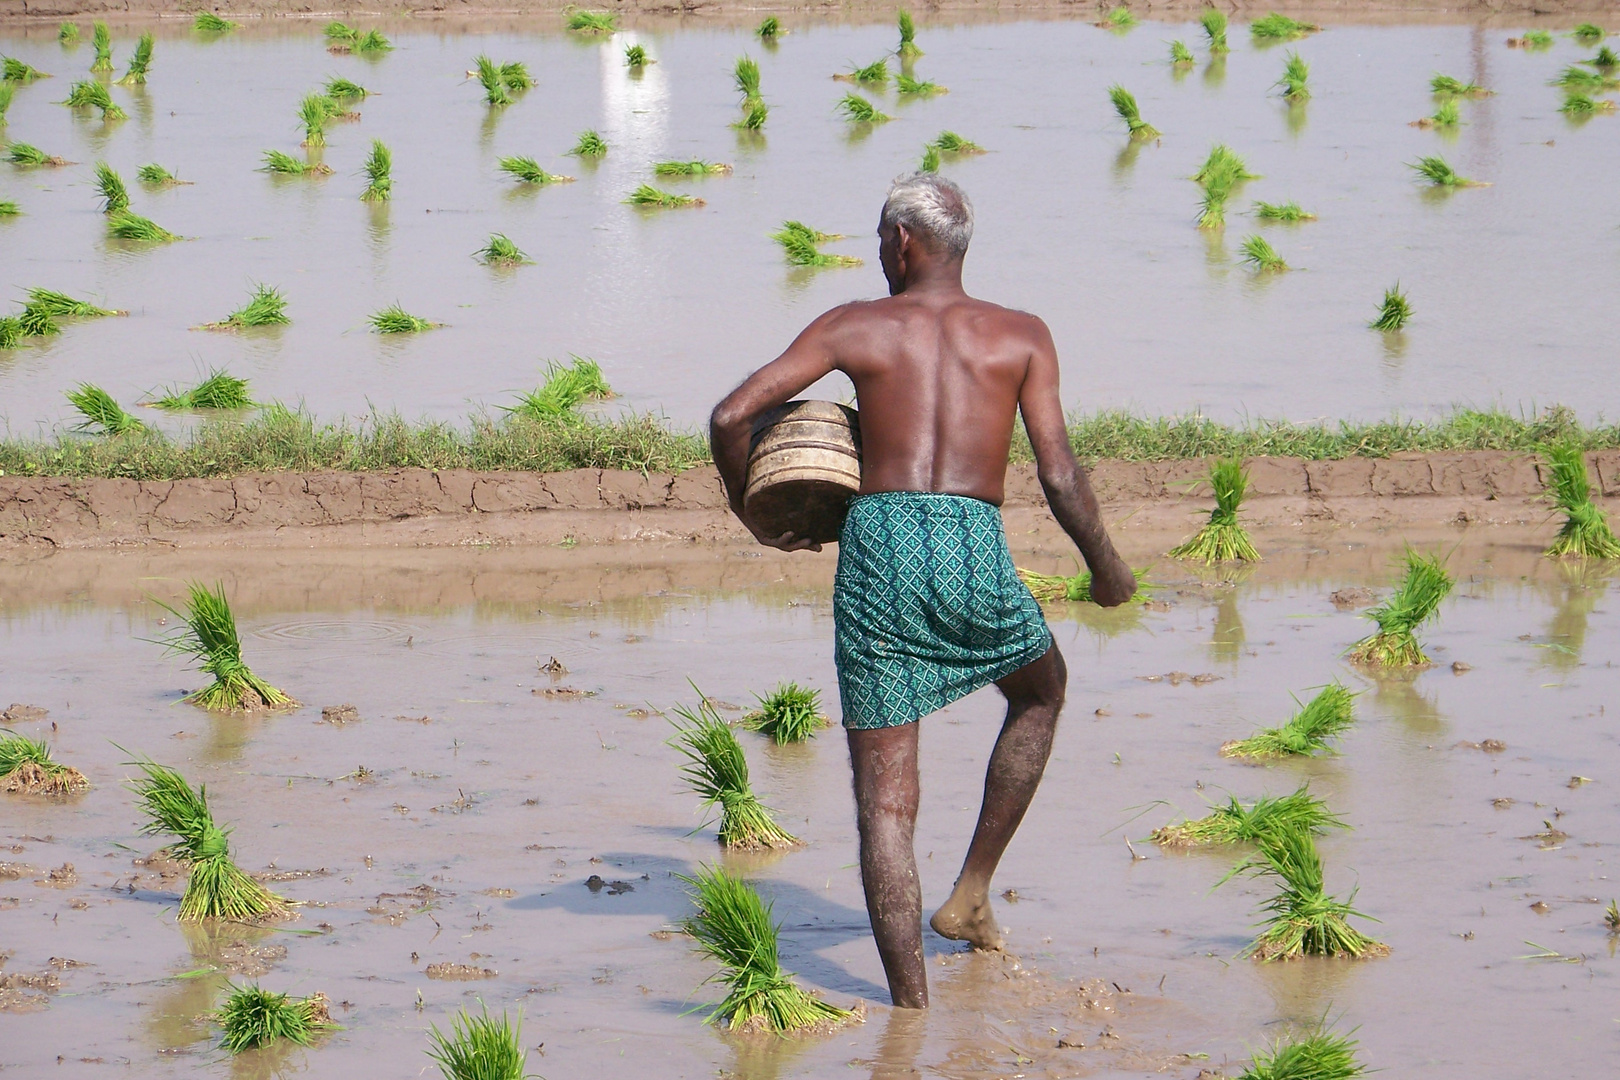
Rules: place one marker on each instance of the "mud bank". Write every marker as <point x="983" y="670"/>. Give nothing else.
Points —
<point x="419" y="507"/>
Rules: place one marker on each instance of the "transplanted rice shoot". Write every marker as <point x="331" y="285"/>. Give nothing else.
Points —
<point x="789" y="714"/>
<point x="1288" y="211"/>
<point x="23" y="154"/>
<point x="755" y="113"/>
<point x="1415" y="601"/>
<point x="734" y="927"/>
<point x="89" y="94"/>
<point x="1437" y="171"/>
<point x="208" y="23"/>
<point x="697" y="167"/>
<point x="1453" y="87"/>
<point x="1585" y="533"/>
<point x="1258" y="253"/>
<point x="654" y="198"/>
<point x="68" y="33"/>
<point x="100" y="411"/>
<point x="140" y="62"/>
<point x="1223" y="163"/>
<point x="63" y="306"/>
<point x="372" y="41"/>
<point x="489" y="75"/>
<point x="1236" y="823"/>
<point x="6" y="92"/>
<point x="1320" y="1055"/>
<point x="1224" y="538"/>
<point x="315" y="112"/>
<point x="745" y="73"/>
<point x="1125" y="105"/>
<point x="501" y="251"/>
<point x="949" y="142"/>
<point x="217" y="887"/>
<point x="341" y="34"/>
<point x="566" y="387"/>
<point x="15" y="71"/>
<point x="1076" y="589"/>
<point x="1394" y="312"/>
<point x="155" y="175"/>
<point x="1213" y="20"/>
<point x="1180" y="54"/>
<point x="1606" y="59"/>
<point x="396" y="320"/>
<point x="874" y="74"/>
<point x="1533" y="39"/>
<point x="1119" y="18"/>
<point x="590" y="145"/>
<point x="219" y="390"/>
<point x="1275" y="27"/>
<point x="528" y="171"/>
<point x="267" y="307"/>
<point x="860" y="111"/>
<point x="286" y="165"/>
<point x="114" y="196"/>
<point x="591" y="22"/>
<point x="208" y="633"/>
<point x="1575" y="77"/>
<point x="1447" y="115"/>
<point x="908" y="37"/>
<point x="1295" y="81"/>
<point x="11" y="332"/>
<point x="26" y="767"/>
<point x="717" y="770"/>
<point x="252" y="1017"/>
<point x="9" y="208"/>
<point x="515" y="74"/>
<point x="378" y="171"/>
<point x="1303" y="920"/>
<point x="1588" y="33"/>
<point x="480" y="1048"/>
<point x="930" y="159"/>
<point x="1578" y="104"/>
<point x="101" y="40"/>
<point x="769" y="29"/>
<point x="37" y="320"/>
<point x="1307" y="733"/>
<point x="341" y="89"/>
<point x="635" y="56"/>
<point x="910" y="87"/>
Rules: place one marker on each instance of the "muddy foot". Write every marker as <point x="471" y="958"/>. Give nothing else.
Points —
<point x="961" y="919"/>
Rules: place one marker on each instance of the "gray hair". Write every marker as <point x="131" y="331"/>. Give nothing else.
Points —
<point x="931" y="207"/>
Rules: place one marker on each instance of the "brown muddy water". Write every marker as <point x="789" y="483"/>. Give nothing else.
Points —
<point x="485" y="808"/>
<point x="1074" y="223"/>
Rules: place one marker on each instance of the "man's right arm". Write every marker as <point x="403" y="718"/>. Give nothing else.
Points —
<point x="1068" y="490"/>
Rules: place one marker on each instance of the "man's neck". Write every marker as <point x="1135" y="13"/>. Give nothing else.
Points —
<point x="933" y="279"/>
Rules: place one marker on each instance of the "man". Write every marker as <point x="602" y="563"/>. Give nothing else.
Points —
<point x="927" y="605"/>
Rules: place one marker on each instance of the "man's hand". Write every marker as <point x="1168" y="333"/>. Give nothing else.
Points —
<point x="786" y="542"/>
<point x="1113" y="583"/>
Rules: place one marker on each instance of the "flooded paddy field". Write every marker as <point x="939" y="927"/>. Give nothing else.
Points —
<point x="1076" y="223"/>
<point x="462" y="818"/>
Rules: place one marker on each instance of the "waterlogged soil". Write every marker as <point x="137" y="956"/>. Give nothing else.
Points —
<point x="471" y="832"/>
<point x="1073" y="222"/>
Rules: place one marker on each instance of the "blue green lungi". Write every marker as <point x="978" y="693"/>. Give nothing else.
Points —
<point x="927" y="606"/>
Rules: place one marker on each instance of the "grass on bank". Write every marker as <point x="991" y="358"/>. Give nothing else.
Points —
<point x="789" y="714"/>
<point x="717" y="769"/>
<point x="26" y="766"/>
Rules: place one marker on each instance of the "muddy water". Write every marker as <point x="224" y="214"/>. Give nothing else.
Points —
<point x="1096" y="236"/>
<point x="487" y="807"/>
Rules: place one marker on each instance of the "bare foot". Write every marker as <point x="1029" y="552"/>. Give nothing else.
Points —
<point x="969" y="919"/>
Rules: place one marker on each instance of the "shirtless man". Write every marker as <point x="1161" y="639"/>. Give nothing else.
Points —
<point x="927" y="605"/>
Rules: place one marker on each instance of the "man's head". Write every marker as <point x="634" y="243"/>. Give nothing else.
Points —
<point x="927" y="223"/>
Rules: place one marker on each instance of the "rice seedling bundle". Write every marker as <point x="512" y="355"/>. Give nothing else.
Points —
<point x="62" y="306"/>
<point x="1258" y="253"/>
<point x="101" y="41"/>
<point x="114" y="196"/>
<point x="745" y="73"/>
<point x="858" y="110"/>
<point x="528" y="171"/>
<point x="378" y="170"/>
<point x="1438" y="172"/>
<point x="1180" y="54"/>
<point x="100" y="410"/>
<point x="1224" y="538"/>
<point x="1447" y="115"/>
<point x="1604" y="60"/>
<point x="590" y="145"/>
<point x="286" y="165"/>
<point x="217" y="887"/>
<point x="37" y="320"/>
<point x="649" y="196"/>
<point x="1575" y="77"/>
<point x="1578" y="104"/>
<point x="635" y="56"/>
<point x="68" y="33"/>
<point x="566" y="387"/>
<point x="1320" y="1055"/>
<point x="1213" y="20"/>
<point x="9" y="208"/>
<point x="770" y="28"/>
<point x="489" y="75"/>
<point x="1076" y="589"/>
<point x="480" y="1048"/>
<point x="717" y="770"/>
<point x="1585" y="533"/>
<point x="697" y="167"/>
<point x="26" y="766"/>
<point x="6" y="91"/>
<point x="127" y="226"/>
<point x="1415" y="601"/>
<point x="1223" y="163"/>
<point x="207" y="22"/>
<point x="372" y="41"/>
<point x="1295" y="81"/>
<point x="1275" y="27"/>
<point x="911" y="87"/>
<point x="23" y="154"/>
<point x="341" y="34"/>
<point x="218" y="391"/>
<point x="1533" y="39"/>
<point x="155" y="175"/>
<point x="266" y="307"/>
<point x="755" y="113"/>
<point x="1394" y="312"/>
<point x="591" y="22"/>
<point x="252" y="1017"/>
<point x="1119" y="18"/>
<point x="515" y="74"/>
<point x="501" y="251"/>
<point x="15" y="71"/>
<point x="733" y="926"/>
<point x="908" y="37"/>
<point x="874" y="74"/>
<point x="930" y="159"/>
<point x="208" y="633"/>
<point x="315" y="111"/>
<point x="140" y="62"/>
<point x="11" y="332"/>
<point x="1303" y="919"/>
<point x="1125" y="105"/>
<point x="949" y="142"/>
<point x="1236" y="823"/>
<point x="1307" y="733"/>
<point x="341" y="89"/>
<point x="1454" y="87"/>
<point x="89" y="94"/>
<point x="1611" y="917"/>
<point x="1588" y="33"/>
<point x="396" y="320"/>
<point x="1288" y="211"/>
<point x="789" y="714"/>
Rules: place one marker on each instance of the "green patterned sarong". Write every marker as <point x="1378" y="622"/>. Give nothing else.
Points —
<point x="927" y="606"/>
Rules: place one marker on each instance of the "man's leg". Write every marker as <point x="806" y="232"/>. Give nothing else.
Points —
<point x="1034" y="698"/>
<point x="886" y="792"/>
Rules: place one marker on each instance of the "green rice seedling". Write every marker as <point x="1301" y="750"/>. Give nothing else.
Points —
<point x="1052" y="588"/>
<point x="140" y="62"/>
<point x="38" y="320"/>
<point x="1223" y="163"/>
<point x="717" y="770"/>
<point x="127" y="226"/>
<point x="908" y="37"/>
<point x="1236" y="823"/>
<point x="1295" y="81"/>
<point x="372" y="41"/>
<point x="480" y="1048"/>
<point x="815" y="236"/>
<point x="207" y="632"/>
<point x="1319" y="1055"/>
<point x="6" y="92"/>
<point x="1438" y="172"/>
<point x="11" y="332"/>
<point x="1288" y="211"/>
<point x="1415" y="601"/>
<point x="15" y="71"/>
<point x="1395" y="310"/>
<point x="1579" y="104"/>
<point x="789" y="714"/>
<point x="1224" y="538"/>
<point x="1588" y="33"/>
<point x="501" y="251"/>
<point x="341" y="34"/>
<point x="1448" y="114"/>
<point x="62" y="306"/>
<point x="1258" y="253"/>
<point x="1275" y="27"/>
<point x="691" y="168"/>
<point x="800" y="244"/>
<point x="949" y="142"/>
<point x="930" y="159"/>
<point x="315" y="112"/>
<point x="342" y="90"/>
<point x="1575" y="77"/>
<point x="1532" y="39"/>
<point x="1180" y="55"/>
<point x="515" y="76"/>
<point x="769" y="29"/>
<point x="252" y="1017"/>
<point x="635" y="56"/>
<point x="9" y="208"/>
<point x="1611" y="917"/>
<point x="1454" y="87"/>
<point x="566" y="387"/>
<point x="1125" y="105"/>
<point x="26" y="766"/>
<point x="489" y="75"/>
<point x="89" y="94"/>
<point x="217" y="888"/>
<point x="286" y="165"/>
<point x="266" y="307"/>
<point x="220" y="390"/>
<point x="1307" y="733"/>
<point x="1119" y="18"/>
<point x="745" y="73"/>
<point x="1303" y="919"/>
<point x="1605" y="60"/>
<point x="910" y="87"/>
<point x="591" y="22"/>
<point x="100" y="411"/>
<point x="114" y="196"/>
<point x="101" y="41"/>
<point x="155" y="175"/>
<point x="858" y="110"/>
<point x="1213" y="20"/>
<point x="396" y="320"/>
<point x="755" y="113"/>
<point x="1585" y="533"/>
<point x="590" y="145"/>
<point x="378" y="170"/>
<point x="32" y="156"/>
<point x="874" y="74"/>
<point x="528" y="171"/>
<point x="68" y="33"/>
<point x="207" y="22"/>
<point x="734" y="927"/>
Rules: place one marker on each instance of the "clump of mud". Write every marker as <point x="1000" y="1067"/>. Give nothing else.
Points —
<point x="17" y="713"/>
<point x="32" y="778"/>
<point x="459" y="972"/>
<point x="338" y="715"/>
<point x="23" y="991"/>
